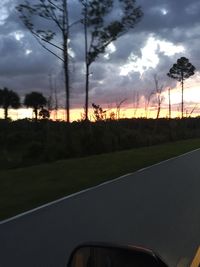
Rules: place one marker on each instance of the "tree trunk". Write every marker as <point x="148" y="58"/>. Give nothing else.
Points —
<point x="66" y="72"/>
<point x="169" y="93"/>
<point x="65" y="57"/>
<point x="87" y="92"/>
<point x="182" y="96"/>
<point x="158" y="112"/>
<point x="5" y="113"/>
<point x="87" y="65"/>
<point x="36" y="114"/>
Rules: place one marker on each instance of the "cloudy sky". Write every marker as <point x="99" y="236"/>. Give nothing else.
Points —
<point x="168" y="30"/>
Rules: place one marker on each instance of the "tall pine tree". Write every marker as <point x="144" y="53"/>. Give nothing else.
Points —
<point x="181" y="71"/>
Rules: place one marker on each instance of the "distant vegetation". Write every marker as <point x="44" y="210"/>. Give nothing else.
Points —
<point x="25" y="142"/>
<point x="34" y="100"/>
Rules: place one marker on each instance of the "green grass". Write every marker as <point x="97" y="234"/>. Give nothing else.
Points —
<point x="27" y="188"/>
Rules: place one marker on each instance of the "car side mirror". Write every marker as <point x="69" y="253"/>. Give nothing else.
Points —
<point x="107" y="255"/>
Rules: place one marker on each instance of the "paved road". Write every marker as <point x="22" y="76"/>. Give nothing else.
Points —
<point x="157" y="207"/>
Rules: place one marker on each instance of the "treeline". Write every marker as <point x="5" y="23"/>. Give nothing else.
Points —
<point x="24" y="143"/>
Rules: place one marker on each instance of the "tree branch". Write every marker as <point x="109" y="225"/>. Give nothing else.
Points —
<point x="46" y="41"/>
<point x="53" y="17"/>
<point x="38" y="40"/>
<point x="75" y="22"/>
<point x="56" y="6"/>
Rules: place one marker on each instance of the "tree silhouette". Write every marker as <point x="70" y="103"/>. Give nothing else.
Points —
<point x="158" y="95"/>
<point x="44" y="113"/>
<point x="55" y="20"/>
<point x="99" y="113"/>
<point x="36" y="101"/>
<point x="181" y="71"/>
<point x="8" y="98"/>
<point x="99" y="33"/>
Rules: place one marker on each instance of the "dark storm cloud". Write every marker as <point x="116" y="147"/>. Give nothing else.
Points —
<point x="178" y="14"/>
<point x="167" y="20"/>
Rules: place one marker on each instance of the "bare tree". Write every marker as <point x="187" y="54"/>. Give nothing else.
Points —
<point x="169" y="96"/>
<point x="53" y="97"/>
<point x="53" y="15"/>
<point x="147" y="103"/>
<point x="118" y="107"/>
<point x="136" y="102"/>
<point x="193" y="109"/>
<point x="158" y="95"/>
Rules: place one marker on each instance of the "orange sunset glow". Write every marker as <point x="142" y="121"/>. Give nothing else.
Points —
<point x="191" y="107"/>
<point x="129" y="110"/>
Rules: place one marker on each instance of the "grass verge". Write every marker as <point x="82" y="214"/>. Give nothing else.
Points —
<point x="27" y="188"/>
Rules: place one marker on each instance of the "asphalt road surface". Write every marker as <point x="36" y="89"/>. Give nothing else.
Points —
<point x="158" y="207"/>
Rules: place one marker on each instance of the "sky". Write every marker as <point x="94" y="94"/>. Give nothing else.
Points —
<point x="168" y="30"/>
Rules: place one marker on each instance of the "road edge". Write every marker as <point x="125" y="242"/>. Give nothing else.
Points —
<point x="91" y="188"/>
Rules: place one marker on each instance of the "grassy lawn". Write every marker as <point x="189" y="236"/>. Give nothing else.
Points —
<point x="27" y="188"/>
